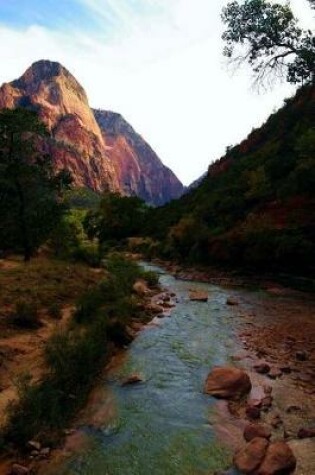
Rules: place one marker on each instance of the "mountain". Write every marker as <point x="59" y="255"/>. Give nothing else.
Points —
<point x="138" y="168"/>
<point x="256" y="206"/>
<point x="100" y="149"/>
<point x="196" y="182"/>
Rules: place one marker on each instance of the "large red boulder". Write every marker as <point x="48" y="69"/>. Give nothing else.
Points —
<point x="248" y="459"/>
<point x="279" y="459"/>
<point x="256" y="430"/>
<point x="228" y="383"/>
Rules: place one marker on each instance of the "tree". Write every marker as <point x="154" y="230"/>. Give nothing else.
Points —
<point x="117" y="218"/>
<point x="267" y="36"/>
<point x="30" y="191"/>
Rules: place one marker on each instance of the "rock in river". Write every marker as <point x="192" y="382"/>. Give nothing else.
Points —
<point x="132" y="379"/>
<point x="227" y="383"/>
<point x="198" y="296"/>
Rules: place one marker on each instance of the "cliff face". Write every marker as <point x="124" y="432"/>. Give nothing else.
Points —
<point x="76" y="141"/>
<point x="138" y="168"/>
<point x="101" y="151"/>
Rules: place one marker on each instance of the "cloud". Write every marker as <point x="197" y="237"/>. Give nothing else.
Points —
<point x="159" y="63"/>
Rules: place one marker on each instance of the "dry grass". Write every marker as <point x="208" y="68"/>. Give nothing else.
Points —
<point x="44" y="282"/>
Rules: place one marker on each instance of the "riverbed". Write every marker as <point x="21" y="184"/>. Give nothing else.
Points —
<point x="166" y="425"/>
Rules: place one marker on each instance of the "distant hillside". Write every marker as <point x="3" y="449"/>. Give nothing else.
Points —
<point x="256" y="206"/>
<point x="99" y="148"/>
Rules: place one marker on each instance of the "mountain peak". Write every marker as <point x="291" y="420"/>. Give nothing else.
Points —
<point x="42" y="70"/>
<point x="45" y="71"/>
<point x="100" y="148"/>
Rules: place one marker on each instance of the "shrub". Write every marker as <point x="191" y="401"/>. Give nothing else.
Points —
<point x="55" y="311"/>
<point x="151" y="278"/>
<point x="75" y="356"/>
<point x="89" y="254"/>
<point x="26" y="315"/>
<point x="73" y="359"/>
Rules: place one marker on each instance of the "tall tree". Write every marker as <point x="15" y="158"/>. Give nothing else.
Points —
<point x="117" y="218"/>
<point x="268" y="37"/>
<point x="30" y="191"/>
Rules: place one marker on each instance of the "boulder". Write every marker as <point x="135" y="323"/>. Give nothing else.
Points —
<point x="262" y="368"/>
<point x="276" y="421"/>
<point x="306" y="433"/>
<point x="227" y="383"/>
<point x="267" y="402"/>
<point x="248" y="459"/>
<point x="274" y="373"/>
<point x="198" y="296"/>
<point x="267" y="389"/>
<point x="140" y="288"/>
<point x="154" y="308"/>
<point x="132" y="379"/>
<point x="279" y="459"/>
<point x="252" y="412"/>
<point x="45" y="452"/>
<point x="34" y="444"/>
<point x="252" y="431"/>
<point x="231" y="301"/>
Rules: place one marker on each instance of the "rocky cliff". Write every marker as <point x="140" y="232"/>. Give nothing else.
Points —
<point x="139" y="170"/>
<point x="100" y="149"/>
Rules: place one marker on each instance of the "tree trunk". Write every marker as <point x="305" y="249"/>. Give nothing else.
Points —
<point x="23" y="225"/>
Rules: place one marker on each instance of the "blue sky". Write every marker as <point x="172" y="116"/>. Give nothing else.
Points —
<point x="98" y="18"/>
<point x="47" y="13"/>
<point x="157" y="62"/>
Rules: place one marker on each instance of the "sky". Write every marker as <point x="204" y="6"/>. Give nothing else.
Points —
<point x="157" y="62"/>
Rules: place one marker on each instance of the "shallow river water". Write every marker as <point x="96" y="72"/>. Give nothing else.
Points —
<point x="161" y="426"/>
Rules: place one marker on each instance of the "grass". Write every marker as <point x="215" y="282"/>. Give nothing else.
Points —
<point x="44" y="281"/>
<point x="75" y="356"/>
<point x="26" y="315"/>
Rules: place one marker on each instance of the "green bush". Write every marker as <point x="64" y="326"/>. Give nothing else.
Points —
<point x="75" y="356"/>
<point x="26" y="315"/>
<point x="73" y="360"/>
<point x="151" y="278"/>
<point x="87" y="253"/>
<point x="64" y="240"/>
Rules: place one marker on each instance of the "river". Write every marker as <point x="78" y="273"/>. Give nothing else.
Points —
<point x="162" y="425"/>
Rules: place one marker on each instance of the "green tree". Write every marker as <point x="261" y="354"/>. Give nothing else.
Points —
<point x="30" y="191"/>
<point x="117" y="218"/>
<point x="267" y="36"/>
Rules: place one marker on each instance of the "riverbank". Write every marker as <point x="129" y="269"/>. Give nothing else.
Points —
<point x="277" y="336"/>
<point x="120" y="426"/>
<point x="238" y="277"/>
<point x="104" y="319"/>
<point x="281" y="341"/>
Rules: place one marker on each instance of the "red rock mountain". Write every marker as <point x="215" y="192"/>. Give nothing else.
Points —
<point x="138" y="168"/>
<point x="101" y="150"/>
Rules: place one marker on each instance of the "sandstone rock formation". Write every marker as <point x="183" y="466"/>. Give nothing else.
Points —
<point x="102" y="151"/>
<point x="139" y="170"/>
